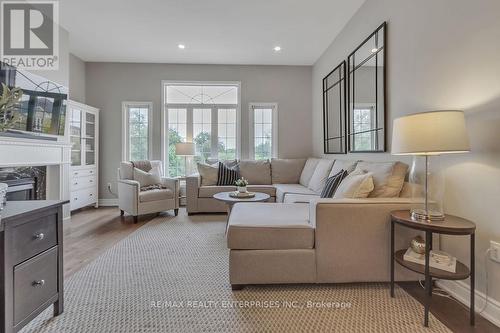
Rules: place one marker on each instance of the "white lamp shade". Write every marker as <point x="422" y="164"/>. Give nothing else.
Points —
<point x="185" y="149"/>
<point x="430" y="133"/>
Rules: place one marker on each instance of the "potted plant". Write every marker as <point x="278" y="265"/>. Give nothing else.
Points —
<point x="242" y="184"/>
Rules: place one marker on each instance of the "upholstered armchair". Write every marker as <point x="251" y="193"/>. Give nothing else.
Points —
<point x="136" y="202"/>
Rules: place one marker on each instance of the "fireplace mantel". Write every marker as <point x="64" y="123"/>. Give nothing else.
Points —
<point x="56" y="155"/>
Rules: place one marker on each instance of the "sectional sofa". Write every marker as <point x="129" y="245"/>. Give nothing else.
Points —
<point x="303" y="238"/>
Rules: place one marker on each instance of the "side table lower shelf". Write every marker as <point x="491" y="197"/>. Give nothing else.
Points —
<point x="462" y="272"/>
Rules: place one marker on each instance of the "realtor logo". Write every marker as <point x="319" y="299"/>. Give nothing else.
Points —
<point x="30" y="34"/>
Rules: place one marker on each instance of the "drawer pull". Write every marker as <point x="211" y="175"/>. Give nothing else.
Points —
<point x="38" y="283"/>
<point x="40" y="236"/>
<point x="91" y="181"/>
<point x="75" y="183"/>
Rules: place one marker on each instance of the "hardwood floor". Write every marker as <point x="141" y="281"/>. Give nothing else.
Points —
<point x="92" y="231"/>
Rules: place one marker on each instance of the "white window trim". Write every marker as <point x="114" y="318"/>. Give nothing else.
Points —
<point x="125" y="127"/>
<point x="251" y="141"/>
<point x="164" y="114"/>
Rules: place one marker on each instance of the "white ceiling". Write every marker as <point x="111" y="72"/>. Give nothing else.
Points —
<point x="214" y="31"/>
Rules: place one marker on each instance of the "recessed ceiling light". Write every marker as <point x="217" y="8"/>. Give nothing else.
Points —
<point x="181" y="46"/>
<point x="374" y="50"/>
<point x="277" y="48"/>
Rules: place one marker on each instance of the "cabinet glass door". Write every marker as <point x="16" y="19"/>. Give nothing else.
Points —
<point x="90" y="138"/>
<point x="75" y="132"/>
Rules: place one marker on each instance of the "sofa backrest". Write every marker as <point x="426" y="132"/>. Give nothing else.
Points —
<point x="286" y="171"/>
<point x="256" y="172"/>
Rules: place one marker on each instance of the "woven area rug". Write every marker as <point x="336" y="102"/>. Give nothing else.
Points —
<point x="171" y="275"/>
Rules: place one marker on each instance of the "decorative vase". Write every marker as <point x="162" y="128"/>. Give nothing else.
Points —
<point x="242" y="189"/>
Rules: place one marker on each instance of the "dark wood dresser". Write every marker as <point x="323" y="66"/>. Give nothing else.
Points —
<point x="31" y="242"/>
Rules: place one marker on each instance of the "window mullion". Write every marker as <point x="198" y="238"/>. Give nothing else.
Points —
<point x="215" y="135"/>
<point x="189" y="124"/>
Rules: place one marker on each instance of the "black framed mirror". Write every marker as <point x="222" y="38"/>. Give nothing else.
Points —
<point x="366" y="94"/>
<point x="334" y="111"/>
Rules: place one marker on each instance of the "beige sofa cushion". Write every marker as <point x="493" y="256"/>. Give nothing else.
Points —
<point x="283" y="189"/>
<point x="308" y="171"/>
<point x="209" y="191"/>
<point x="340" y="165"/>
<point x="388" y="177"/>
<point x="355" y="186"/>
<point x="256" y="172"/>
<point x="208" y="174"/>
<point x="264" y="226"/>
<point x="320" y="174"/>
<point x="286" y="171"/>
<point x="299" y="198"/>
<point x="156" y="195"/>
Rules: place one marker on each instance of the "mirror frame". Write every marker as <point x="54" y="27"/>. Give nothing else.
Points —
<point x="341" y="109"/>
<point x="381" y="29"/>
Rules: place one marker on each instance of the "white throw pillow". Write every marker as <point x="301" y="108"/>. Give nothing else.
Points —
<point x="319" y="176"/>
<point x="208" y="174"/>
<point x="308" y="171"/>
<point x="146" y="178"/>
<point x="355" y="186"/>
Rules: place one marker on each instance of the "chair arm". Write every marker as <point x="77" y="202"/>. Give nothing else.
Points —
<point x="171" y="183"/>
<point x="128" y="195"/>
<point x="193" y="183"/>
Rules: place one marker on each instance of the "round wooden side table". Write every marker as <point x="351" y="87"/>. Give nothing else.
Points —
<point x="452" y="225"/>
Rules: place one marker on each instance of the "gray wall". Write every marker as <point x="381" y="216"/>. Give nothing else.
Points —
<point x="61" y="75"/>
<point x="441" y="55"/>
<point x="108" y="84"/>
<point x="76" y="79"/>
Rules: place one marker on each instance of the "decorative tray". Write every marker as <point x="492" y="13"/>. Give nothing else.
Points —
<point x="243" y="195"/>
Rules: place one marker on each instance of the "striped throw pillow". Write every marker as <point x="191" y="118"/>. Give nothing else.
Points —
<point x="226" y="175"/>
<point x="332" y="183"/>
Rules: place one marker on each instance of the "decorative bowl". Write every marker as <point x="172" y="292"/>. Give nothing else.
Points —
<point x="417" y="244"/>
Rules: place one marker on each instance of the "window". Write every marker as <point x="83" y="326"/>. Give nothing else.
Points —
<point x="137" y="133"/>
<point x="227" y="134"/>
<point x="263" y="130"/>
<point x="177" y="132"/>
<point x="363" y="124"/>
<point x="204" y="113"/>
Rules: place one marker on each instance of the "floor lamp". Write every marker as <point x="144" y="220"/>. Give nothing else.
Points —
<point x="185" y="149"/>
<point x="429" y="134"/>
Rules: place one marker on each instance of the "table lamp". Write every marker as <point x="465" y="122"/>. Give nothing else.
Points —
<point x="428" y="134"/>
<point x="185" y="149"/>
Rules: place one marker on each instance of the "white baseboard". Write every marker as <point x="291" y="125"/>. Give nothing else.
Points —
<point x="461" y="291"/>
<point x="108" y="202"/>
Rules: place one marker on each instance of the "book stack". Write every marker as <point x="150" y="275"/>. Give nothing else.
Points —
<point x="437" y="259"/>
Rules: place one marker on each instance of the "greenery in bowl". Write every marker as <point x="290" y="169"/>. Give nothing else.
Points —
<point x="242" y="182"/>
<point x="8" y="101"/>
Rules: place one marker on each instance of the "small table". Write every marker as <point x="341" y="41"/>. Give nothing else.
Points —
<point x="230" y="201"/>
<point x="452" y="225"/>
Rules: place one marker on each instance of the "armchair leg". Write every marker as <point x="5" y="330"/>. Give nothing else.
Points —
<point x="136" y="218"/>
<point x="122" y="212"/>
<point x="176" y="211"/>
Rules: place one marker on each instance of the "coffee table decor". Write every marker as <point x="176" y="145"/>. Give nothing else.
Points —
<point x="237" y="194"/>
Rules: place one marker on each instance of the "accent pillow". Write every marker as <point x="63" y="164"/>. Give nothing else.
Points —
<point x="256" y="172"/>
<point x="208" y="174"/>
<point x="332" y="183"/>
<point x="340" y="165"/>
<point x="308" y="170"/>
<point x="320" y="174"/>
<point x="356" y="185"/>
<point x="388" y="177"/>
<point x="286" y="171"/>
<point x="227" y="176"/>
<point x="146" y="178"/>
